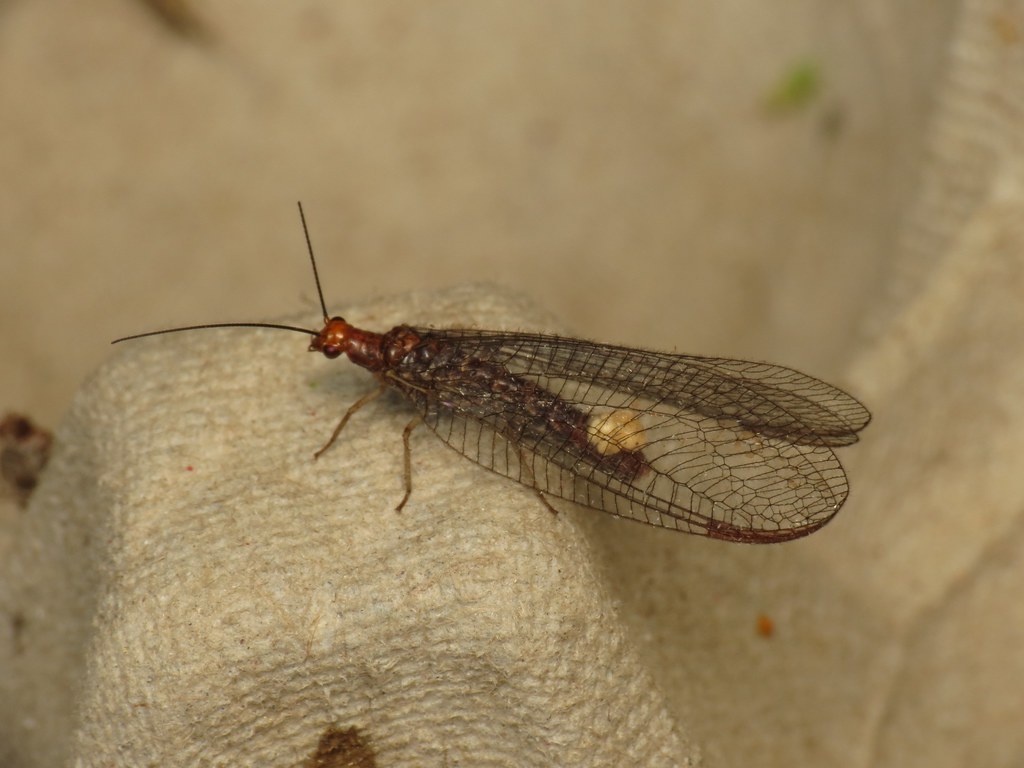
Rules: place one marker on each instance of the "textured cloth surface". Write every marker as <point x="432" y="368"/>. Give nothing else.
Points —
<point x="236" y="599"/>
<point x="619" y="165"/>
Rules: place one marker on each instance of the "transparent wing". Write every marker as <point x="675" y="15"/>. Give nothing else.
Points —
<point x="723" y="448"/>
<point x="769" y="399"/>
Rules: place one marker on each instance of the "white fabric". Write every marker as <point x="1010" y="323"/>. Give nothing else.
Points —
<point x="230" y="599"/>
<point x="233" y="612"/>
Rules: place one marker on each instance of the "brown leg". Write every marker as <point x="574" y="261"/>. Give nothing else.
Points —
<point x="525" y="467"/>
<point x="408" y="460"/>
<point x="545" y="502"/>
<point x="367" y="398"/>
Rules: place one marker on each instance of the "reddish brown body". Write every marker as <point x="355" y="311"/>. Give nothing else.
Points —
<point x="430" y="372"/>
<point x="373" y="351"/>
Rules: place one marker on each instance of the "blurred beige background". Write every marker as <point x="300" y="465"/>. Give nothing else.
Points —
<point x="617" y="162"/>
<point x="651" y="173"/>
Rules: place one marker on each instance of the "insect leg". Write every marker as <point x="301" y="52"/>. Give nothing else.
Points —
<point x="523" y="465"/>
<point x="367" y="398"/>
<point x="545" y="502"/>
<point x="408" y="460"/>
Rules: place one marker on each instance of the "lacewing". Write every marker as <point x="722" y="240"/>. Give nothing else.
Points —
<point x="729" y="449"/>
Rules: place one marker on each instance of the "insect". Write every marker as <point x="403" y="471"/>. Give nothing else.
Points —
<point x="730" y="449"/>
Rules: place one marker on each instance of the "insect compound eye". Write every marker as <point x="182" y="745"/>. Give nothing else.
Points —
<point x="331" y="352"/>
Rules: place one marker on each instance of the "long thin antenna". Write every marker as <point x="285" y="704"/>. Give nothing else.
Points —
<point x="275" y="326"/>
<point x="312" y="260"/>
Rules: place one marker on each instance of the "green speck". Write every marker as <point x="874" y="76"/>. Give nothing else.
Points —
<point x="797" y="88"/>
